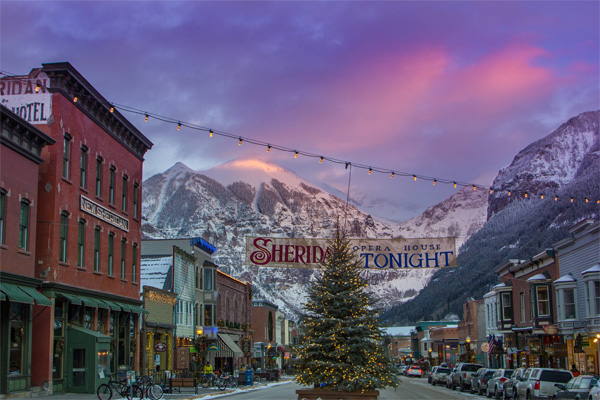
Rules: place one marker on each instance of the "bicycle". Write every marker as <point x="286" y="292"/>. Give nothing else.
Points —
<point x="208" y="380"/>
<point x="227" y="381"/>
<point x="147" y="386"/>
<point x="106" y="390"/>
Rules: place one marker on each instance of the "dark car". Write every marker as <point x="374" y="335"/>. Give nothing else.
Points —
<point x="480" y="379"/>
<point x="577" y="388"/>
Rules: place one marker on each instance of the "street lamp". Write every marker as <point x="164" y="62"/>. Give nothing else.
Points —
<point x="597" y="341"/>
<point x="468" y="348"/>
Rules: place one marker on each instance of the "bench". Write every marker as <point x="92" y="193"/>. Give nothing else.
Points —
<point x="178" y="383"/>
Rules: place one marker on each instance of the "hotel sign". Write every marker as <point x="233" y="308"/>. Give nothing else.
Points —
<point x="375" y="254"/>
<point x="103" y="213"/>
<point x="28" y="97"/>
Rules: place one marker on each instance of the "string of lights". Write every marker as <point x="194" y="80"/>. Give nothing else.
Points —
<point x="298" y="152"/>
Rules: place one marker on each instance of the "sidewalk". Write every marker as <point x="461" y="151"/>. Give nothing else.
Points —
<point x="186" y="394"/>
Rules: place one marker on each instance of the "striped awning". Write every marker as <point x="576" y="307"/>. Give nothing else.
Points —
<point x="228" y="347"/>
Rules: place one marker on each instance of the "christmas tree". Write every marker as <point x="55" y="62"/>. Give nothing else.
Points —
<point x="342" y="347"/>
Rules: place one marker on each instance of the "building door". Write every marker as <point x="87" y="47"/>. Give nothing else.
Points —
<point x="78" y="372"/>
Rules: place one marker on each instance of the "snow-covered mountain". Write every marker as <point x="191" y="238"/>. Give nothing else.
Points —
<point x="251" y="197"/>
<point x="552" y="162"/>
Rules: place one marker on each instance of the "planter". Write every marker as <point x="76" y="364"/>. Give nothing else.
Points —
<point x="316" y="394"/>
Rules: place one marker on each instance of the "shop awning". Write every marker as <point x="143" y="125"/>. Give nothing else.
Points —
<point x="230" y="343"/>
<point x="37" y="296"/>
<point x="15" y="294"/>
<point x="72" y="298"/>
<point x="88" y="302"/>
<point x="113" y="306"/>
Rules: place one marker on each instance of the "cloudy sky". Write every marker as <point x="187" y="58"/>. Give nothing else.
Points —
<point x="449" y="89"/>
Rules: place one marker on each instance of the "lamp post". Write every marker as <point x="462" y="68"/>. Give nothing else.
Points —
<point x="597" y="341"/>
<point x="468" y="348"/>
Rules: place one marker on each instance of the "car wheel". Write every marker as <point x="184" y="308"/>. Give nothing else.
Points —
<point x="462" y="386"/>
<point x="515" y="394"/>
<point x="487" y="392"/>
<point x="479" y="391"/>
<point x="497" y="393"/>
<point x="528" y="395"/>
<point x="433" y="383"/>
<point x="504" y="395"/>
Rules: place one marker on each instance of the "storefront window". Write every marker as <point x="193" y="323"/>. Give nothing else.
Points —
<point x="102" y="363"/>
<point x="74" y="315"/>
<point x="17" y="338"/>
<point x="102" y="320"/>
<point x="88" y="317"/>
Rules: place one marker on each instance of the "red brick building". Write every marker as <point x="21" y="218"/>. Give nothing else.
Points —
<point x="264" y="319"/>
<point x="20" y="159"/>
<point x="88" y="226"/>
<point x="234" y="319"/>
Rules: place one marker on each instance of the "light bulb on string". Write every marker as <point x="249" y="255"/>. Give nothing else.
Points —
<point x="509" y="192"/>
<point x="525" y="194"/>
<point x="542" y="196"/>
<point x="586" y="200"/>
<point x="392" y="175"/>
<point x="491" y="190"/>
<point x="572" y="199"/>
<point x="268" y="148"/>
<point x="240" y="142"/>
<point x="210" y="133"/>
<point x="434" y="182"/>
<point x="146" y="117"/>
<point x="415" y="177"/>
<point x="370" y="170"/>
<point x="555" y="198"/>
<point x="112" y="109"/>
<point x="75" y="99"/>
<point x="179" y="126"/>
<point x="321" y="160"/>
<point x="474" y="188"/>
<point x="296" y="155"/>
<point x="455" y="185"/>
<point x="37" y="88"/>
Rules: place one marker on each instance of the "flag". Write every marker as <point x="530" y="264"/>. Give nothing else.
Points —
<point x="492" y="342"/>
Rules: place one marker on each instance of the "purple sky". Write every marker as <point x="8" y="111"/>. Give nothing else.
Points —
<point x="444" y="89"/>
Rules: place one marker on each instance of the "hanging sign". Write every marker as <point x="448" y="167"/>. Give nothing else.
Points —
<point x="375" y="254"/>
<point x="213" y="347"/>
<point x="160" y="347"/>
<point x="28" y="97"/>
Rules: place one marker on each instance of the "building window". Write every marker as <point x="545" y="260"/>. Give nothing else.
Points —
<point x="111" y="240"/>
<point x="124" y="195"/>
<point x="67" y="157"/>
<point x="522" y="296"/>
<point x="136" y="194"/>
<point x="111" y="186"/>
<point x="543" y="301"/>
<point x="80" y="242"/>
<point x="99" y="176"/>
<point x="208" y="279"/>
<point x="97" y="249"/>
<point x="83" y="167"/>
<point x="134" y="263"/>
<point x="24" y="225"/>
<point x="2" y="216"/>
<point x="568" y="297"/>
<point x="597" y="297"/>
<point x="506" y="306"/>
<point x="64" y="224"/>
<point x="208" y="315"/>
<point x="123" y="252"/>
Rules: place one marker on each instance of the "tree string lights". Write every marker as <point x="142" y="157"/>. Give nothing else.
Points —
<point x="76" y="96"/>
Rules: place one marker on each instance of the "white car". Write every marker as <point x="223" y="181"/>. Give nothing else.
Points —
<point x="414" y="370"/>
<point x="595" y="392"/>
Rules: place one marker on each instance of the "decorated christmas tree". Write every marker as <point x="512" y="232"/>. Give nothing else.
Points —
<point x="342" y="348"/>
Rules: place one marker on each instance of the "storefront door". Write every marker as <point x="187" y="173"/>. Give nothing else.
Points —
<point x="78" y="371"/>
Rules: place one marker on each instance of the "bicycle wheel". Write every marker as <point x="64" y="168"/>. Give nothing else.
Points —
<point x="104" y="392"/>
<point x="222" y="384"/>
<point x="205" y="382"/>
<point x="155" y="392"/>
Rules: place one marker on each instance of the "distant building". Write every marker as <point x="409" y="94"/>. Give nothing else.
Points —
<point x="398" y="347"/>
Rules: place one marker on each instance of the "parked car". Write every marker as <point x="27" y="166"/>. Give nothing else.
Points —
<point x="414" y="370"/>
<point x="440" y="375"/>
<point x="538" y="383"/>
<point x="430" y="374"/>
<point x="449" y="378"/>
<point x="509" y="385"/>
<point x="402" y="369"/>
<point x="480" y="380"/>
<point x="577" y="388"/>
<point x="463" y="374"/>
<point x="496" y="383"/>
<point x="595" y="392"/>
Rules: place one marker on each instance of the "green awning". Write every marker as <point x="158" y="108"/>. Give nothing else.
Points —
<point x="113" y="306"/>
<point x="73" y="299"/>
<point x="37" y="296"/>
<point x="2" y="296"/>
<point x="15" y="294"/>
<point x="126" y="307"/>
<point x="102" y="304"/>
<point x="88" y="302"/>
<point x="139" y="310"/>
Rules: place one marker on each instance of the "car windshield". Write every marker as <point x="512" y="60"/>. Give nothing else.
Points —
<point x="443" y="370"/>
<point x="471" y="368"/>
<point x="508" y="374"/>
<point x="556" y="376"/>
<point x="489" y="373"/>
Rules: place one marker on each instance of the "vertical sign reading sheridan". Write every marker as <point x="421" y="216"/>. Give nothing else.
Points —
<point x="104" y="214"/>
<point x="375" y="254"/>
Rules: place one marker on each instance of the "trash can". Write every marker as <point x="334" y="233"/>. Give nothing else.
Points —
<point x="248" y="377"/>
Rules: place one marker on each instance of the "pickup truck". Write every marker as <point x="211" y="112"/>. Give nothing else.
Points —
<point x="463" y="375"/>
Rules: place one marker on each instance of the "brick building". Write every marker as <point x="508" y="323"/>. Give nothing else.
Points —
<point x="234" y="319"/>
<point x="264" y="316"/>
<point x="471" y="331"/>
<point x="21" y="147"/>
<point x="88" y="227"/>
